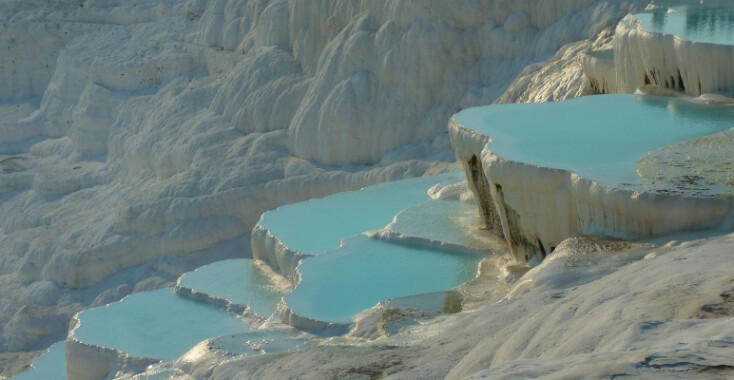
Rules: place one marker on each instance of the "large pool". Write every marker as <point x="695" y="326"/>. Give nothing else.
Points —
<point x="710" y="21"/>
<point x="339" y="284"/>
<point x="238" y="281"/>
<point x="599" y="137"/>
<point x="319" y="225"/>
<point x="156" y="324"/>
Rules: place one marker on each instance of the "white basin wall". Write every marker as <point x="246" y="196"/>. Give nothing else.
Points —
<point x="274" y="253"/>
<point x="541" y="207"/>
<point x="599" y="69"/>
<point x="468" y="145"/>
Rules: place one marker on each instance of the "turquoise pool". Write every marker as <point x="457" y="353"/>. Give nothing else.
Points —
<point x="49" y="366"/>
<point x="319" y="225"/>
<point x="155" y="324"/>
<point x="339" y="284"/>
<point x="599" y="137"/>
<point x="237" y="281"/>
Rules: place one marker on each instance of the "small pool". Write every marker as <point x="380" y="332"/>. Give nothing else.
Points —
<point x="156" y="324"/>
<point x="238" y="281"/>
<point x="599" y="137"/>
<point x="339" y="284"/>
<point x="447" y="221"/>
<point x="49" y="366"/>
<point x="710" y="21"/>
<point x="319" y="225"/>
<point x="262" y="342"/>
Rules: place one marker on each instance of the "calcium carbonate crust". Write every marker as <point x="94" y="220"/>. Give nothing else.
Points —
<point x="598" y="66"/>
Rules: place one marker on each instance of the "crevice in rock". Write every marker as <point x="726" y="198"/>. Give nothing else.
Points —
<point x="480" y="187"/>
<point x="520" y="246"/>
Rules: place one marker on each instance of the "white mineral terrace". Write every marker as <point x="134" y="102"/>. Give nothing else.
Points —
<point x="342" y="260"/>
<point x="546" y="172"/>
<point x="682" y="45"/>
<point x="285" y="235"/>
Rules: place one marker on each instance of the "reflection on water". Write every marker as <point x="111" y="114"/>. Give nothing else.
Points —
<point x="708" y="21"/>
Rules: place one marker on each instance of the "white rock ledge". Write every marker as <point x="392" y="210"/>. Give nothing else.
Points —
<point x="282" y="259"/>
<point x="536" y="208"/>
<point x="289" y="317"/>
<point x="399" y="238"/>
<point x="237" y="309"/>
<point x="598" y="66"/>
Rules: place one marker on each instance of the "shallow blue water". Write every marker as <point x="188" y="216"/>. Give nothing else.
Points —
<point x="339" y="284"/>
<point x="156" y="324"/>
<point x="599" y="137"/>
<point x="437" y="220"/>
<point x="261" y="342"/>
<point x="237" y="281"/>
<point x="712" y="21"/>
<point x="319" y="225"/>
<point x="49" y="366"/>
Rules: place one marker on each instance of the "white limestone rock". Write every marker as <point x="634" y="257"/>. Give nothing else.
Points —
<point x="162" y="129"/>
